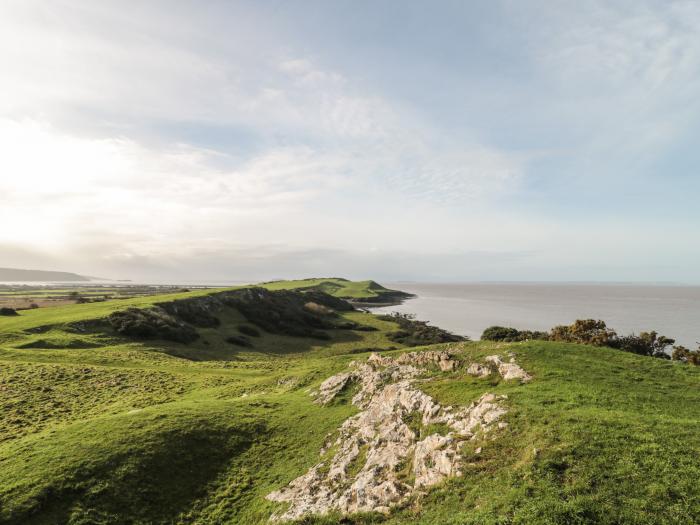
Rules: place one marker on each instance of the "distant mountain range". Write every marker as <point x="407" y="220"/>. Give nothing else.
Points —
<point x="15" y="274"/>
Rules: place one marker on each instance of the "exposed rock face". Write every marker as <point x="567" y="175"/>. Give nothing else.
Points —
<point x="478" y="370"/>
<point x="198" y="311"/>
<point x="288" y="312"/>
<point x="381" y="455"/>
<point x="494" y="364"/>
<point x="283" y="312"/>
<point x="418" y="333"/>
<point x="154" y="323"/>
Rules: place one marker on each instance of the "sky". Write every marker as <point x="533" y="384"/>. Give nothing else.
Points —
<point x="461" y="140"/>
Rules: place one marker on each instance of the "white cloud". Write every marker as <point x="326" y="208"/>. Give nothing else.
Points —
<point x="292" y="152"/>
<point x="624" y="75"/>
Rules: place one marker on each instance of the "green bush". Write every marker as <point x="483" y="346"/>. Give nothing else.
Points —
<point x="500" y="333"/>
<point x="511" y="335"/>
<point x="646" y="343"/>
<point x="584" y="331"/>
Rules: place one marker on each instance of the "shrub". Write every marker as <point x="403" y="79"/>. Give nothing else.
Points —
<point x="8" y="311"/>
<point x="681" y="353"/>
<point x="500" y="333"/>
<point x="595" y="332"/>
<point x="508" y="334"/>
<point x="585" y="331"/>
<point x="646" y="343"/>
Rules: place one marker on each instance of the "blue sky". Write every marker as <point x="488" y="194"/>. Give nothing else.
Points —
<point x="500" y="140"/>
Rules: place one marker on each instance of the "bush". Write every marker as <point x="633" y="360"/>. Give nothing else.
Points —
<point x="500" y="333"/>
<point x="595" y="332"/>
<point x="646" y="343"/>
<point x="508" y="334"/>
<point x="584" y="331"/>
<point x="8" y="311"/>
<point x="681" y="353"/>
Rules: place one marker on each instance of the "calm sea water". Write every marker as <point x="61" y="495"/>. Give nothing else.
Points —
<point x="467" y="309"/>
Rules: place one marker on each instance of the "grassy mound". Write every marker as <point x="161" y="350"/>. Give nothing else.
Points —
<point x="129" y="430"/>
<point x="356" y="291"/>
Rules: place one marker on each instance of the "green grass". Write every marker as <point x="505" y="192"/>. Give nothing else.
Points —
<point x="97" y="429"/>
<point x="334" y="286"/>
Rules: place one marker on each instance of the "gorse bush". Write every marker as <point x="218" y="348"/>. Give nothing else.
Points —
<point x="646" y="343"/>
<point x="681" y="353"/>
<point x="584" y="331"/>
<point x="511" y="335"/>
<point x="501" y="333"/>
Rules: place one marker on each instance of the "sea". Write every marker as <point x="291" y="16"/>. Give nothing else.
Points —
<point x="468" y="308"/>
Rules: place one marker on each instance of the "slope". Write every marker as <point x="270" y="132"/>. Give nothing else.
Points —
<point x="99" y="427"/>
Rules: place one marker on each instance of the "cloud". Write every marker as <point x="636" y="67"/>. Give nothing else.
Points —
<point x="624" y="74"/>
<point x="166" y="139"/>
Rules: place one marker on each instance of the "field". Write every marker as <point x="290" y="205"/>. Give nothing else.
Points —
<point x="99" y="428"/>
<point x="24" y="297"/>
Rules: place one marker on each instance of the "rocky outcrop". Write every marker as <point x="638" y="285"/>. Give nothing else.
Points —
<point x="281" y="312"/>
<point x="494" y="364"/>
<point x="379" y="370"/>
<point x="289" y="312"/>
<point x="153" y="323"/>
<point x="197" y="311"/>
<point x="418" y="333"/>
<point x="401" y="442"/>
<point x="479" y="370"/>
<point x="509" y="370"/>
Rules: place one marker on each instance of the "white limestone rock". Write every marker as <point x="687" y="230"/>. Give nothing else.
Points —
<point x="379" y="460"/>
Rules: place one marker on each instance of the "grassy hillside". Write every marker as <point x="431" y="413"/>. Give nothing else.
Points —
<point x="359" y="291"/>
<point x="100" y="428"/>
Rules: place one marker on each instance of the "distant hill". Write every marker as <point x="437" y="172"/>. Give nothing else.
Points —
<point x="358" y="292"/>
<point x="15" y="274"/>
